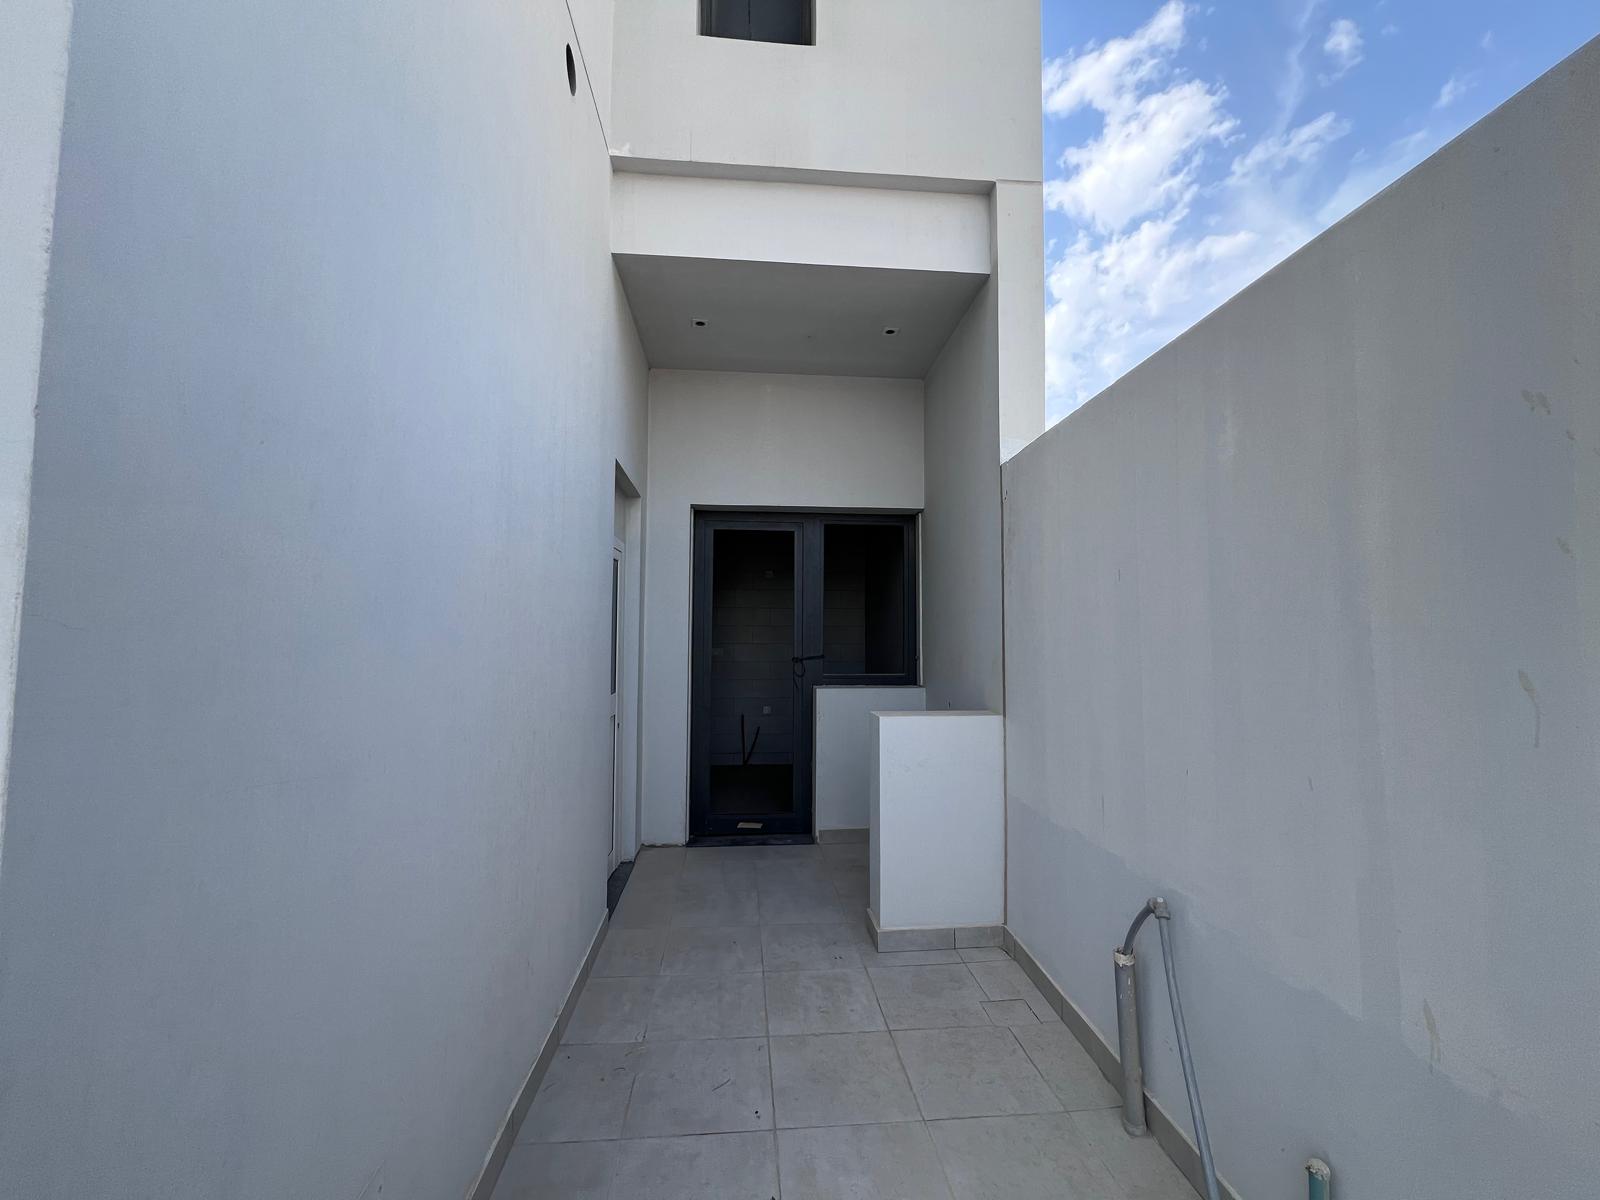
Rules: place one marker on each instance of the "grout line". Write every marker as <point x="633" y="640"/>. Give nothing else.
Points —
<point x="900" y="1058"/>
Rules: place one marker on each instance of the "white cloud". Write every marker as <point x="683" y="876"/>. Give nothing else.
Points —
<point x="1144" y="159"/>
<point x="1167" y="218"/>
<point x="1454" y="88"/>
<point x="1297" y="147"/>
<point x="1104" y="76"/>
<point x="1156" y="245"/>
<point x="1114" y="301"/>
<point x="1148" y="148"/>
<point x="1343" y="46"/>
<point x="1292" y="85"/>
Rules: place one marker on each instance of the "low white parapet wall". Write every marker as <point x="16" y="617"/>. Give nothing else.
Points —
<point x="937" y="874"/>
<point x="842" y="758"/>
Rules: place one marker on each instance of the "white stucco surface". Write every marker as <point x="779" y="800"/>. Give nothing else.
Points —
<point x="843" y="748"/>
<point x="940" y="88"/>
<point x="1018" y="234"/>
<point x="961" y="600"/>
<point x="724" y="439"/>
<point x="936" y="807"/>
<point x="784" y="222"/>
<point x="1303" y="632"/>
<point x="310" y="791"/>
<point x="34" y="36"/>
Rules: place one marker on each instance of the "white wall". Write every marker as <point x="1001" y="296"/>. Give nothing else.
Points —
<point x="939" y="88"/>
<point x="781" y="222"/>
<point x="936" y="803"/>
<point x="1303" y="631"/>
<point x="961" y="617"/>
<point x="842" y="751"/>
<point x="33" y="75"/>
<point x="310" y="786"/>
<point x="753" y="441"/>
<point x="1018" y="232"/>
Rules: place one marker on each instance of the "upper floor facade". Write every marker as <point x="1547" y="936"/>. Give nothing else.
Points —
<point x="941" y="90"/>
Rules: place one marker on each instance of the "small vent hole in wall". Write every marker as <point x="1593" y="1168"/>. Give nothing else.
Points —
<point x="572" y="72"/>
<point x="890" y="332"/>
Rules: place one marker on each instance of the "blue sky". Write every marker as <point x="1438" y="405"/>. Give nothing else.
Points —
<point x="1189" y="147"/>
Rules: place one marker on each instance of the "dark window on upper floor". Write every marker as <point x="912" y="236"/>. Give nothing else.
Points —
<point x="789" y="21"/>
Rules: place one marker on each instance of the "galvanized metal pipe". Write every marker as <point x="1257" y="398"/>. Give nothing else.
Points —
<point x="1158" y="909"/>
<point x="1133" y="1119"/>
<point x="1319" y="1180"/>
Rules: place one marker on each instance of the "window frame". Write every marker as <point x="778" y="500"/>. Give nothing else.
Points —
<point x="707" y="13"/>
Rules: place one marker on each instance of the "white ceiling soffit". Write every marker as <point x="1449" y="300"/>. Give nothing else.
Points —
<point x="793" y="318"/>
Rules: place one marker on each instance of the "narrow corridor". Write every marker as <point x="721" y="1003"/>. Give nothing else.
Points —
<point x="741" y="1039"/>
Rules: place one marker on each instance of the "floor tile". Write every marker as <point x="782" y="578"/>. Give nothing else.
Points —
<point x="982" y="954"/>
<point x="913" y="958"/>
<point x="1139" y="1165"/>
<point x="628" y="952"/>
<point x="610" y="1010"/>
<point x="821" y="1002"/>
<point x="707" y="1006"/>
<point x="713" y="950"/>
<point x="1067" y="1067"/>
<point x="657" y="862"/>
<point x="860" y="1162"/>
<point x="722" y="1166"/>
<point x="851" y="885"/>
<point x="703" y="870"/>
<point x="714" y="854"/>
<point x="767" y="855"/>
<point x="715" y="902"/>
<point x="840" y="1079"/>
<point x="812" y="902"/>
<point x="722" y="1086"/>
<point x="1009" y="1012"/>
<point x="841" y="854"/>
<point x="812" y="873"/>
<point x="564" y="1171"/>
<point x="813" y="947"/>
<point x="645" y="906"/>
<point x="1020" y="1158"/>
<point x="741" y="871"/>
<point x="583" y="1096"/>
<point x="929" y="997"/>
<point x="972" y="1073"/>
<point x="1006" y="981"/>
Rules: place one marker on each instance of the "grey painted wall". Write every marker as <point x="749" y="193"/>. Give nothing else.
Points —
<point x="1303" y="630"/>
<point x="33" y="62"/>
<point x="961" y="619"/>
<point x="307" y="834"/>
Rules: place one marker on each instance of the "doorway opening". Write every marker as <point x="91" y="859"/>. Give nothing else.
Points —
<point x="783" y="602"/>
<point x="623" y="671"/>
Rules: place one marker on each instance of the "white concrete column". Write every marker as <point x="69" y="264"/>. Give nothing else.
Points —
<point x="938" y="823"/>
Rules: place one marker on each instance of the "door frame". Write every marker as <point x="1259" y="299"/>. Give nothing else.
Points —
<point x="619" y="609"/>
<point x="808" y="527"/>
<point x="702" y="821"/>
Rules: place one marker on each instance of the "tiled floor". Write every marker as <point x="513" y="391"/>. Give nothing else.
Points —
<point x="740" y="1039"/>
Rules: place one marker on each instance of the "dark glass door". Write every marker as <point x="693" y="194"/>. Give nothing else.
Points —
<point x="782" y="603"/>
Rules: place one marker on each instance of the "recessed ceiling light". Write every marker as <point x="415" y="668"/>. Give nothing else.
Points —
<point x="698" y="322"/>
